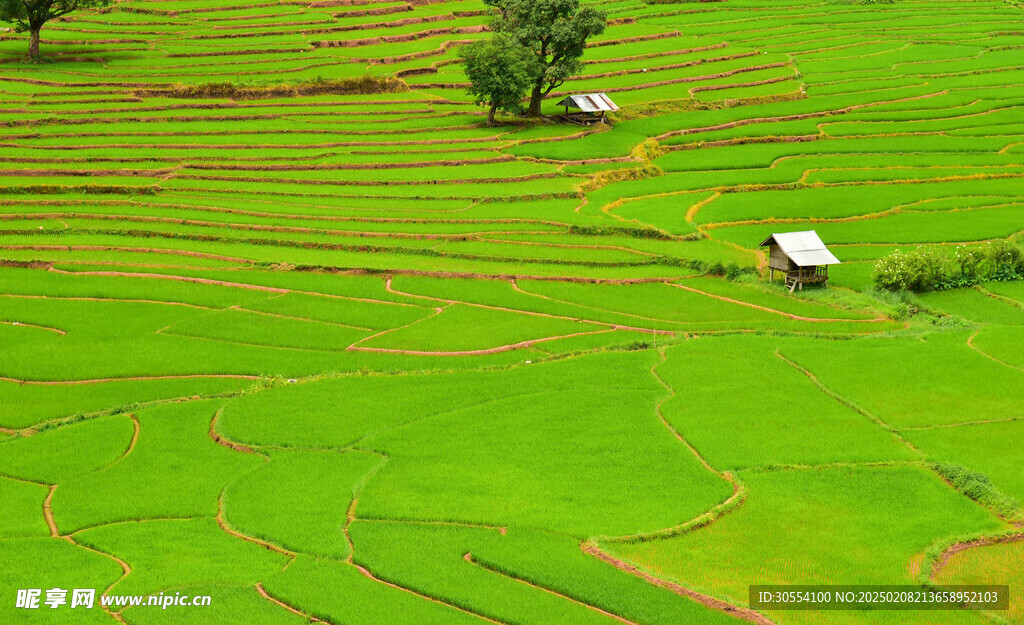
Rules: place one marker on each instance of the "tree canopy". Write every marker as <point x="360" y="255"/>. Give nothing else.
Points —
<point x="31" y="15"/>
<point x="501" y="71"/>
<point x="554" y="31"/>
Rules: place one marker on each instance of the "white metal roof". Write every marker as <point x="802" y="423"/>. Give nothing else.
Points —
<point x="803" y="248"/>
<point x="589" y="102"/>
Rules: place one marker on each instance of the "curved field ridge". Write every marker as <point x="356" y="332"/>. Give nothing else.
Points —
<point x="956" y="548"/>
<point x="745" y="614"/>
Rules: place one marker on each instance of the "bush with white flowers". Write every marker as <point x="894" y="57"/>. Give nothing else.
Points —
<point x="929" y="269"/>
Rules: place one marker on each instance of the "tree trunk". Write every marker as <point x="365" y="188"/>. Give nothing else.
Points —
<point x="535" y="99"/>
<point x="33" y="44"/>
<point x="490" y="115"/>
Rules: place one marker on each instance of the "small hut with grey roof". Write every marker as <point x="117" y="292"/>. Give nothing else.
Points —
<point x="587" y="108"/>
<point x="801" y="256"/>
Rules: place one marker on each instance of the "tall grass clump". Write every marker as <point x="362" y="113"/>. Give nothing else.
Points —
<point x="928" y="269"/>
<point x="979" y="487"/>
<point x="729" y="271"/>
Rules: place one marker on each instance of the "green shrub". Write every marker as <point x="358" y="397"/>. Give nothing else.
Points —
<point x="928" y="269"/>
<point x="730" y="271"/>
<point x="902" y="305"/>
<point x="636" y="346"/>
<point x="920" y="270"/>
<point x="979" y="487"/>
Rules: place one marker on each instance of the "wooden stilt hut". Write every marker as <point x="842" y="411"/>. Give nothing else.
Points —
<point x="801" y="256"/>
<point x="588" y="108"/>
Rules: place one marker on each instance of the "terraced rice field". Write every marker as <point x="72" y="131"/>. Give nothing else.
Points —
<point x="361" y="359"/>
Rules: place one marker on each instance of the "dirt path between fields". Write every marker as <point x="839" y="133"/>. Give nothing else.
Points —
<point x="956" y="548"/>
<point x="282" y="604"/>
<point x="350" y="516"/>
<point x="55" y="533"/>
<point x="502" y="530"/>
<point x="735" y="85"/>
<point x="691" y="213"/>
<point x="849" y="404"/>
<point x="659" y="83"/>
<point x="127" y="379"/>
<point x="355" y="344"/>
<point x="772" y="310"/>
<point x="745" y="614"/>
<point x="72" y="298"/>
<point x="309" y="319"/>
<point x="125" y="571"/>
<point x="220" y="440"/>
<point x="136" y="430"/>
<point x="209" y="281"/>
<point x="469" y="558"/>
<point x="970" y="343"/>
<point x="496" y="237"/>
<point x="376" y="183"/>
<point x="738" y="491"/>
<point x="317" y="218"/>
<point x="48" y="513"/>
<point x="499" y="276"/>
<point x="368" y="574"/>
<point x="262" y="543"/>
<point x="512" y="281"/>
<point x="962" y="424"/>
<point x="282" y="146"/>
<point x="32" y="325"/>
<point x="479" y="352"/>
<point x="786" y="118"/>
<point x="119" y="248"/>
<point x="239" y="285"/>
<point x="516" y="287"/>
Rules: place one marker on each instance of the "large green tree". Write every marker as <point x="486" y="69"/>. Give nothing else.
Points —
<point x="555" y="31"/>
<point x="32" y="15"/>
<point x="501" y="72"/>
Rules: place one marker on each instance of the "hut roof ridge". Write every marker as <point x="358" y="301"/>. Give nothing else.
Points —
<point x="589" y="102"/>
<point x="805" y="248"/>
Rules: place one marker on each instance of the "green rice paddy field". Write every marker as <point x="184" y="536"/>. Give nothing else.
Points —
<point x="363" y="360"/>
